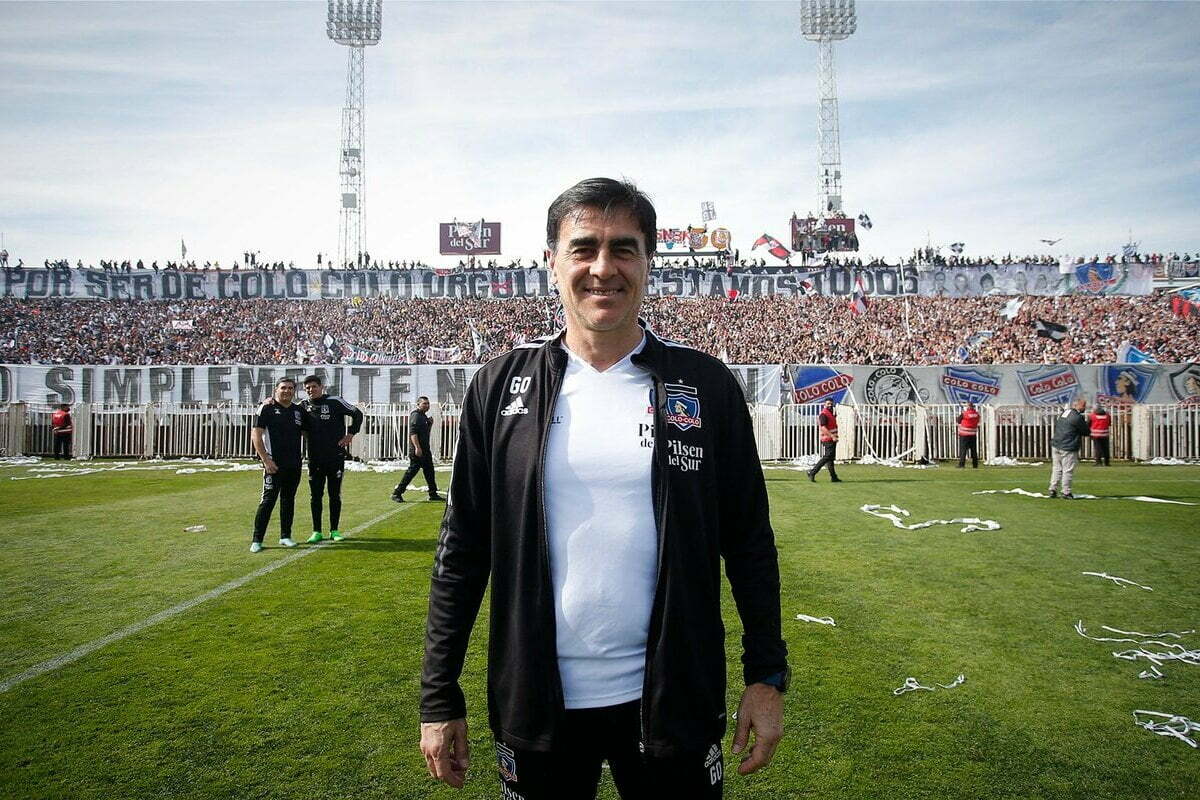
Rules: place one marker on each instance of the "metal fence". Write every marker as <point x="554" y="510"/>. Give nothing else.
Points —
<point x="904" y="432"/>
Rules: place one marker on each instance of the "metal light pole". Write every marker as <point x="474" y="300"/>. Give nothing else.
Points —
<point x="355" y="24"/>
<point x="825" y="22"/>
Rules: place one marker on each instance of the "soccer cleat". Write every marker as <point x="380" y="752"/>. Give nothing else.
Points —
<point x="1068" y="496"/>
<point x="811" y="477"/>
<point x="255" y="547"/>
<point x="835" y="479"/>
<point x="1054" y="492"/>
<point x="436" y="498"/>
<point x="397" y="498"/>
<point x="287" y="542"/>
<point x="336" y="536"/>
<point x="316" y="537"/>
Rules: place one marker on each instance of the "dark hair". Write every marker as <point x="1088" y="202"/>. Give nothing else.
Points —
<point x="286" y="380"/>
<point x="64" y="407"/>
<point x="314" y="379"/>
<point x="606" y="195"/>
<point x="422" y="397"/>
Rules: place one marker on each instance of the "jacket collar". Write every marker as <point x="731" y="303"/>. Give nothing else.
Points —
<point x="649" y="358"/>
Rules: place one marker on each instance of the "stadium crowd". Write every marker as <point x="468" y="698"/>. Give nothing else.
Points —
<point x="914" y="330"/>
<point x="678" y="259"/>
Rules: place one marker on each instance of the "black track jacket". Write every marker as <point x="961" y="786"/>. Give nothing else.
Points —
<point x="710" y="502"/>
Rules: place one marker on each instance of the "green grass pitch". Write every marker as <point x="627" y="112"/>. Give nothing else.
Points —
<point x="302" y="682"/>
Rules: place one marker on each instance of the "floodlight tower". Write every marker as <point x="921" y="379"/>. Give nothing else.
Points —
<point x="826" y="22"/>
<point x="355" y="24"/>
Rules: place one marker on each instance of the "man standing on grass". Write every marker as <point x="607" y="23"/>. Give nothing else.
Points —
<point x="1099" y="424"/>
<point x="1069" y="430"/>
<point x="420" y="456"/>
<point x="327" y="451"/>
<point x="276" y="436"/>
<point x="968" y="436"/>
<point x="602" y="475"/>
<point x="828" y="434"/>
<point x="62" y="428"/>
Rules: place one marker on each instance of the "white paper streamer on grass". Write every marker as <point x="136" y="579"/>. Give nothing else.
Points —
<point x="19" y="461"/>
<point x="822" y="620"/>
<point x="1171" y="651"/>
<point x="1009" y="461"/>
<point x="969" y="523"/>
<point x="913" y="685"/>
<point x="1162" y="461"/>
<point x="1168" y="725"/>
<point x="1140" y="498"/>
<point x="1122" y="582"/>
<point x="870" y="460"/>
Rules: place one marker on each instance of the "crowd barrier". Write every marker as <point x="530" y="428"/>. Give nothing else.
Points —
<point x="890" y="432"/>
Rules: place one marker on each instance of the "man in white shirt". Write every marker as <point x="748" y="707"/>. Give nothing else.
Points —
<point x="607" y="643"/>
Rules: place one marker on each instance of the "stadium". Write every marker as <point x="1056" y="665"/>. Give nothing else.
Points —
<point x="953" y="628"/>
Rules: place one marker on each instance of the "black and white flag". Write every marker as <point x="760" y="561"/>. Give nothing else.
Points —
<point x="1050" y="330"/>
<point x="865" y="221"/>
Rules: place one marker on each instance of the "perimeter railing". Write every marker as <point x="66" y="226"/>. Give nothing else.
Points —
<point x="886" y="432"/>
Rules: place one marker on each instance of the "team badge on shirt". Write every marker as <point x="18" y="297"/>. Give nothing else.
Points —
<point x="507" y="761"/>
<point x="683" y="406"/>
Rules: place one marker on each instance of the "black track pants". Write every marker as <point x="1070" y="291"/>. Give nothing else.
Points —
<point x="967" y="445"/>
<point x="827" y="451"/>
<point x="1100" y="447"/>
<point x="594" y="735"/>
<point x="282" y="487"/>
<point x="62" y="445"/>
<point x="419" y="464"/>
<point x="320" y="475"/>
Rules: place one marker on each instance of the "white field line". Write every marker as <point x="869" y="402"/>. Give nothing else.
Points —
<point x="179" y="608"/>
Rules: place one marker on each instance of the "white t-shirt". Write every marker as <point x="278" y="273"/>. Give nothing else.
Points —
<point x="600" y="525"/>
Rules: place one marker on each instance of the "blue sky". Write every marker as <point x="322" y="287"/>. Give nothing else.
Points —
<point x="126" y="126"/>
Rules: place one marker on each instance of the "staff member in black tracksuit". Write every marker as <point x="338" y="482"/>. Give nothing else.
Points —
<point x="827" y="431"/>
<point x="327" y="452"/>
<point x="602" y="521"/>
<point x="420" y="455"/>
<point x="277" y="436"/>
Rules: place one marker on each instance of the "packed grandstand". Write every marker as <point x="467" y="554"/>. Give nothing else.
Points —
<point x="757" y="330"/>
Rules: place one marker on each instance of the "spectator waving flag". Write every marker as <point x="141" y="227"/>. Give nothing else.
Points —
<point x="1050" y="330"/>
<point x="1011" y="308"/>
<point x="957" y="247"/>
<point x="1129" y="353"/>
<point x="858" y="300"/>
<point x="865" y="221"/>
<point x="774" y="247"/>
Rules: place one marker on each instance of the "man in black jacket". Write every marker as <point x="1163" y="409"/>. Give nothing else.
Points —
<point x="1069" y="429"/>
<point x="601" y="476"/>
<point x="420" y="453"/>
<point x="327" y="452"/>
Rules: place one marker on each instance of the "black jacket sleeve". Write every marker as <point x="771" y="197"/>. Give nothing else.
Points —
<point x="748" y="543"/>
<point x="356" y="417"/>
<point x="461" y="566"/>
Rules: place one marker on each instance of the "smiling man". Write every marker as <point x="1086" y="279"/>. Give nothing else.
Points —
<point x="602" y="474"/>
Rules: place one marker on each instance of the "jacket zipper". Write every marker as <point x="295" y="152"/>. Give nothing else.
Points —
<point x="544" y="537"/>
<point x="661" y="516"/>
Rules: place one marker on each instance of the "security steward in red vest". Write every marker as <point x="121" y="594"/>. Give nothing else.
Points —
<point x="1099" y="423"/>
<point x="968" y="436"/>
<point x="827" y="426"/>
<point x="63" y="429"/>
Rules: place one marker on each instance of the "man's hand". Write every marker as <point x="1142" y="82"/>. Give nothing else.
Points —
<point x="761" y="710"/>
<point x="446" y="750"/>
<point x="418" y="452"/>
<point x="346" y="440"/>
<point x="270" y="466"/>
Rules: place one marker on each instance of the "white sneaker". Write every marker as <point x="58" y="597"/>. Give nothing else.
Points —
<point x="255" y="547"/>
<point x="287" y="543"/>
